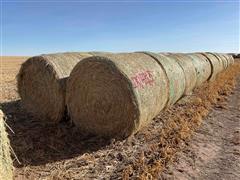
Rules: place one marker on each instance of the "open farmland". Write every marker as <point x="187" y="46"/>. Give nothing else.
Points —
<point x="9" y="68"/>
<point x="60" y="151"/>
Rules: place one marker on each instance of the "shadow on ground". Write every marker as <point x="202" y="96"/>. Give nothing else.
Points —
<point x="36" y="143"/>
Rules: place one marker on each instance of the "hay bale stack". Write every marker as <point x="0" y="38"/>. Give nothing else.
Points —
<point x="42" y="84"/>
<point x="189" y="71"/>
<point x="231" y="59"/>
<point x="224" y="60"/>
<point x="6" y="167"/>
<point x="202" y="66"/>
<point x="115" y="95"/>
<point x="216" y="64"/>
<point x="175" y="75"/>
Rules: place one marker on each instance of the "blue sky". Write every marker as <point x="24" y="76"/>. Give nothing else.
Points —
<point x="31" y="27"/>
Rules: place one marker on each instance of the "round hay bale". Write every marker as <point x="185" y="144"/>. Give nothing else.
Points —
<point x="216" y="64"/>
<point x="222" y="59"/>
<point x="225" y="60"/>
<point x="117" y="94"/>
<point x="189" y="71"/>
<point x="202" y="66"/>
<point x="219" y="59"/>
<point x="98" y="53"/>
<point x="6" y="166"/>
<point x="175" y="75"/>
<point x="42" y="84"/>
<point x="231" y="58"/>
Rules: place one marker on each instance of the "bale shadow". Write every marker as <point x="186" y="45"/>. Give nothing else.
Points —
<point x="37" y="143"/>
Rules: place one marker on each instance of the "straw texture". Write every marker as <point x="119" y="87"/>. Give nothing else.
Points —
<point x="6" y="167"/>
<point x="189" y="71"/>
<point x="175" y="75"/>
<point x="216" y="64"/>
<point x="202" y="66"/>
<point x="42" y="84"/>
<point x="116" y="94"/>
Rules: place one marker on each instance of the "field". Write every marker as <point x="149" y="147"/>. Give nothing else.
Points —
<point x="198" y="138"/>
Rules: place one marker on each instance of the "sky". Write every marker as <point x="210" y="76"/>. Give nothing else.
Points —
<point x="37" y="27"/>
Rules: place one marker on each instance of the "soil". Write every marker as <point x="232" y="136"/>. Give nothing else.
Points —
<point x="214" y="151"/>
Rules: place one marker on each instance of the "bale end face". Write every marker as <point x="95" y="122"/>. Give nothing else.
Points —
<point x="100" y="99"/>
<point x="40" y="90"/>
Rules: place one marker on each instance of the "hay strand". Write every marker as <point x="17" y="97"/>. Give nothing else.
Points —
<point x="6" y="167"/>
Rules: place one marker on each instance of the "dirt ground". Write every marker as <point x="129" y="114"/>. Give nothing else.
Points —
<point x="198" y="138"/>
<point x="214" y="151"/>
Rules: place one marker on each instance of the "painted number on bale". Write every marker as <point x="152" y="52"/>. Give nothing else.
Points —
<point x="142" y="79"/>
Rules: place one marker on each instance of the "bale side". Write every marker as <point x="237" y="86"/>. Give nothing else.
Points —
<point x="6" y="167"/>
<point x="117" y="94"/>
<point x="175" y="76"/>
<point x="189" y="71"/>
<point x="42" y="84"/>
<point x="202" y="66"/>
<point x="216" y="64"/>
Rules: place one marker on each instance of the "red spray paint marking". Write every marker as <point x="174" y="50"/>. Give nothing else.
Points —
<point x="142" y="79"/>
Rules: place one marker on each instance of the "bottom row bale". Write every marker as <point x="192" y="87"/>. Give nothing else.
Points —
<point x="189" y="71"/>
<point x="117" y="94"/>
<point x="6" y="167"/>
<point x="202" y="67"/>
<point x="42" y="84"/>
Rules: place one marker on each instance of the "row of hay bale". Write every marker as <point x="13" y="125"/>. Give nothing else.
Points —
<point x="112" y="95"/>
<point x="6" y="167"/>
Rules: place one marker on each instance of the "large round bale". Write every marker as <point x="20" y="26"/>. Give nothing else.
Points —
<point x="117" y="94"/>
<point x="225" y="60"/>
<point x="6" y="167"/>
<point x="42" y="84"/>
<point x="231" y="58"/>
<point x="216" y="64"/>
<point x="175" y="75"/>
<point x="222" y="59"/>
<point x="202" y="66"/>
<point x="189" y="71"/>
<point x="219" y="59"/>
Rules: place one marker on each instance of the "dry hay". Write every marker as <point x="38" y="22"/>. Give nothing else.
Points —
<point x="180" y="123"/>
<point x="216" y="65"/>
<point x="189" y="71"/>
<point x="73" y="156"/>
<point x="202" y="66"/>
<point x="224" y="59"/>
<point x="175" y="75"/>
<point x="41" y="84"/>
<point x="6" y="167"/>
<point x="116" y="94"/>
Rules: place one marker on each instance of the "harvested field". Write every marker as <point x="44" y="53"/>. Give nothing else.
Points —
<point x="62" y="152"/>
<point x="10" y="66"/>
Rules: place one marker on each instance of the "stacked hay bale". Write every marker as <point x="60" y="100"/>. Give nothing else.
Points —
<point x="202" y="66"/>
<point x="216" y="65"/>
<point x="224" y="60"/>
<point x="6" y="167"/>
<point x="42" y="84"/>
<point x="174" y="72"/>
<point x="117" y="94"/>
<point x="112" y="95"/>
<point x="190" y="73"/>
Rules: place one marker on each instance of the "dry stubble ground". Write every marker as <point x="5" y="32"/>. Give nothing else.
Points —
<point x="62" y="152"/>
